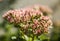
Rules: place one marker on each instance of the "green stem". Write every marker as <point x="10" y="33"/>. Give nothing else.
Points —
<point x="18" y="34"/>
<point x="33" y="38"/>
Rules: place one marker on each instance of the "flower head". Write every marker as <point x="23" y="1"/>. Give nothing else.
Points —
<point x="29" y="19"/>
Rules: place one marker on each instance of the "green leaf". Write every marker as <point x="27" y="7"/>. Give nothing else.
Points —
<point x="37" y="40"/>
<point x="43" y="36"/>
<point x="26" y="37"/>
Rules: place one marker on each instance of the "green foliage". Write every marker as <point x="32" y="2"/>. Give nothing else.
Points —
<point x="43" y="37"/>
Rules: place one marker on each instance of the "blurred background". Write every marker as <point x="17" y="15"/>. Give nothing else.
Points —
<point x="8" y="31"/>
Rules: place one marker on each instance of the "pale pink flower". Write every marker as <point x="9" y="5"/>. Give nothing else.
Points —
<point x="29" y="18"/>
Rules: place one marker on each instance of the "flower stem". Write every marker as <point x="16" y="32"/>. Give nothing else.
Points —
<point x="18" y="34"/>
<point x="33" y="38"/>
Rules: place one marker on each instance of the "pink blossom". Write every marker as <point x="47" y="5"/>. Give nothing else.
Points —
<point x="29" y="18"/>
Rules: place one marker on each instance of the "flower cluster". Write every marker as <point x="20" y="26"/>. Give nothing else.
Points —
<point x="30" y="19"/>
